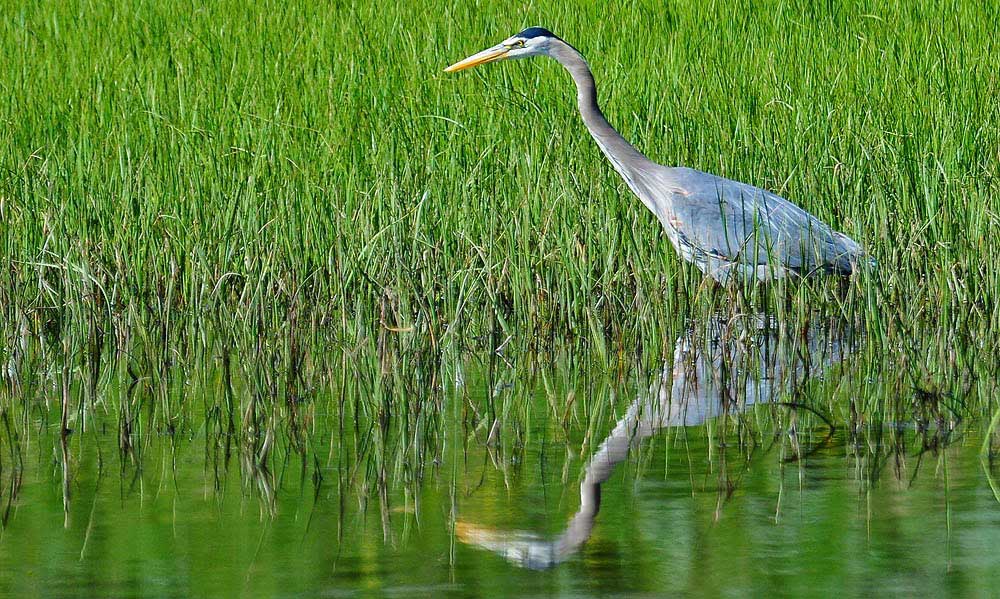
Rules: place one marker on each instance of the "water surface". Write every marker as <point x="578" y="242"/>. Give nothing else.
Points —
<point x="716" y="474"/>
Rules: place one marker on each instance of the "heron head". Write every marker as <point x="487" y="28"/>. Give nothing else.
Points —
<point x="533" y="41"/>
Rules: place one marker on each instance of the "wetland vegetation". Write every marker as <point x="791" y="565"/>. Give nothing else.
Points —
<point x="286" y="309"/>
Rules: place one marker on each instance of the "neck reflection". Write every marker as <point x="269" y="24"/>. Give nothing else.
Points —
<point x="722" y="366"/>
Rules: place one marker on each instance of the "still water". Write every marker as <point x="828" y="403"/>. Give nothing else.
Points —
<point x="713" y="479"/>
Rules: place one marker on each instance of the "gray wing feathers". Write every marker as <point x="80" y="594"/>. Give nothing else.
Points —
<point x="741" y="223"/>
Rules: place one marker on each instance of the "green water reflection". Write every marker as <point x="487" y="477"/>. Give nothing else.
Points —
<point x="695" y="497"/>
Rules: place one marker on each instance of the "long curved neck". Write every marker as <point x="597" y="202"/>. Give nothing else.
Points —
<point x="623" y="156"/>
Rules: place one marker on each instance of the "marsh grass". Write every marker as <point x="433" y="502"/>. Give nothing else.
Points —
<point x="282" y="229"/>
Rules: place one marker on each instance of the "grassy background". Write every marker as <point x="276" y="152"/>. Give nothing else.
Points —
<point x="316" y="154"/>
<point x="306" y="178"/>
<point x="279" y="230"/>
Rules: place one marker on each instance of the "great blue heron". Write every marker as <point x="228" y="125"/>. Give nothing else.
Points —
<point x="731" y="231"/>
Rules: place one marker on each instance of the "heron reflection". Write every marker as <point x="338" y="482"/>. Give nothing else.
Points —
<point x="724" y="366"/>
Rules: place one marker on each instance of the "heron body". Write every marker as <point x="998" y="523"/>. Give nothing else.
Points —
<point x="732" y="231"/>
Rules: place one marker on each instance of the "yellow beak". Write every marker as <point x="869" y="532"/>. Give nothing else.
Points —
<point x="489" y="55"/>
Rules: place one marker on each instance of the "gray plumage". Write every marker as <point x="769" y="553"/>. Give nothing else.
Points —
<point x="730" y="230"/>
